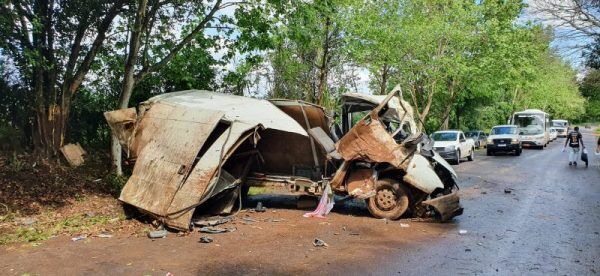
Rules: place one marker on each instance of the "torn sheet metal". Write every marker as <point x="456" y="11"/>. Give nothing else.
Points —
<point x="369" y="141"/>
<point x="447" y="206"/>
<point x="361" y="183"/>
<point x="163" y="163"/>
<point x="122" y="124"/>
<point x="202" y="182"/>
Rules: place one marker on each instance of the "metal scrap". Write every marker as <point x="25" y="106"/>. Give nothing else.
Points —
<point x="217" y="230"/>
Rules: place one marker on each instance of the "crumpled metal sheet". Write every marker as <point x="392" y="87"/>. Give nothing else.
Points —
<point x="369" y="141"/>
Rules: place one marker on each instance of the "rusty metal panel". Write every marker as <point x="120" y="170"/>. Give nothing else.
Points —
<point x="173" y="137"/>
<point x="122" y="124"/>
<point x="369" y="141"/>
<point x="195" y="187"/>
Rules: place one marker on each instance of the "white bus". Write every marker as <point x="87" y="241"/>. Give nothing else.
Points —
<point x="534" y="126"/>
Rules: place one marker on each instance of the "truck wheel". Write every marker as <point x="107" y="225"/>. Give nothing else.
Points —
<point x="457" y="160"/>
<point x="489" y="152"/>
<point x="471" y="155"/>
<point x="390" y="200"/>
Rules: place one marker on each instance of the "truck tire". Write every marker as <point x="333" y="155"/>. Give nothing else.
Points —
<point x="471" y="155"/>
<point x="489" y="152"/>
<point x="518" y="152"/>
<point x="390" y="201"/>
<point x="457" y="160"/>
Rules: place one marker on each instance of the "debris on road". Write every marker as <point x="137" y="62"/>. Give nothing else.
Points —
<point x="319" y="243"/>
<point x="105" y="235"/>
<point x="157" y="234"/>
<point x="205" y="239"/>
<point x="248" y="220"/>
<point x="79" y="238"/>
<point x="508" y="190"/>
<point x="216" y="230"/>
<point x="404" y="225"/>
<point x="212" y="221"/>
<point x="28" y="221"/>
<point x="260" y="208"/>
<point x="462" y="232"/>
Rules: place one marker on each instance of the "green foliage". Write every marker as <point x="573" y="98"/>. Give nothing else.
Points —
<point x="590" y="89"/>
<point x="116" y="182"/>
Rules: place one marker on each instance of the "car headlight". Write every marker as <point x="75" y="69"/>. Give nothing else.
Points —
<point x="449" y="148"/>
<point x="514" y="141"/>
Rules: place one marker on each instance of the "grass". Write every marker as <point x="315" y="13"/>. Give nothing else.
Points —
<point x="43" y="231"/>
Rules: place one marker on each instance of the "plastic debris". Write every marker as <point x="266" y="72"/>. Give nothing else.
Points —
<point x="462" y="232"/>
<point x="249" y="219"/>
<point x="216" y="230"/>
<point x="319" y="243"/>
<point x="260" y="208"/>
<point x="105" y="235"/>
<point x="325" y="204"/>
<point x="157" y="234"/>
<point x="79" y="238"/>
<point x="404" y="225"/>
<point x="205" y="239"/>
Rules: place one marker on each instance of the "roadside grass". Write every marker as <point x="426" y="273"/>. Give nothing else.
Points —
<point x="48" y="228"/>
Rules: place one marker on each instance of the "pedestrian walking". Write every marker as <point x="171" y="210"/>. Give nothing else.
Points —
<point x="573" y="140"/>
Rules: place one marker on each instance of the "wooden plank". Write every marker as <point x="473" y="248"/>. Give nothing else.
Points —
<point x="173" y="136"/>
<point x="204" y="171"/>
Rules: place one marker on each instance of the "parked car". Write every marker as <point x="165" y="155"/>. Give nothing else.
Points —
<point x="553" y="133"/>
<point x="205" y="149"/>
<point x="478" y="136"/>
<point x="562" y="126"/>
<point x="504" y="138"/>
<point x="452" y="145"/>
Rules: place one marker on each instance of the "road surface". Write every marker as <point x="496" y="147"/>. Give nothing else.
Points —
<point x="531" y="214"/>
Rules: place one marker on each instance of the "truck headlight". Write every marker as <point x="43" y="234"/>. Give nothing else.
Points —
<point x="449" y="148"/>
<point x="514" y="141"/>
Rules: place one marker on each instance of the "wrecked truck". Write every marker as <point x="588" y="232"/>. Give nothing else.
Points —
<point x="200" y="151"/>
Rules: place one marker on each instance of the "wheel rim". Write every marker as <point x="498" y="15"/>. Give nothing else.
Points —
<point x="386" y="199"/>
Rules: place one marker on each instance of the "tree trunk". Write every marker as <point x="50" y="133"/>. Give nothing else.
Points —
<point x="384" y="79"/>
<point x="324" y="63"/>
<point x="446" y="121"/>
<point x="129" y="78"/>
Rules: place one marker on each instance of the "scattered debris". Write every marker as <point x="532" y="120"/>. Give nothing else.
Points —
<point x="319" y="243"/>
<point x="462" y="232"/>
<point x="274" y="220"/>
<point x="260" y="208"/>
<point x="468" y="250"/>
<point x="28" y="221"/>
<point x="325" y="204"/>
<point x="353" y="234"/>
<point x="90" y="214"/>
<point x="157" y="234"/>
<point x="205" y="239"/>
<point x="74" y="154"/>
<point x="508" y="190"/>
<point x="217" y="230"/>
<point x="212" y="221"/>
<point x="385" y="220"/>
<point x="404" y="225"/>
<point x="105" y="235"/>
<point x="480" y="244"/>
<point x="79" y="238"/>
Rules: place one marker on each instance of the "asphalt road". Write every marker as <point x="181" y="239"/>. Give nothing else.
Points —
<point x="549" y="223"/>
<point x="531" y="214"/>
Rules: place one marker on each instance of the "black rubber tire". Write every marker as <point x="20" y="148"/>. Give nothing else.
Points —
<point x="457" y="160"/>
<point x="391" y="200"/>
<point x="471" y="155"/>
<point x="489" y="152"/>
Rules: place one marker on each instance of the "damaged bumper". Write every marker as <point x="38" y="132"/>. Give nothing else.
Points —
<point x="447" y="206"/>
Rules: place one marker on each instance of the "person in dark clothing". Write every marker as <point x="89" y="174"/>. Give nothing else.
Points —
<point x="573" y="140"/>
